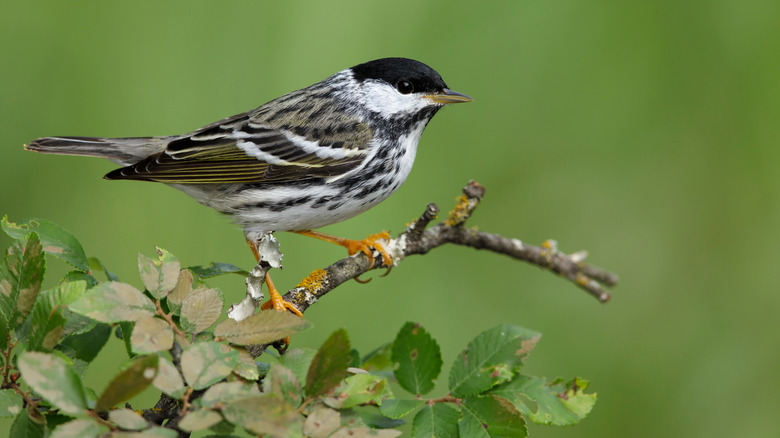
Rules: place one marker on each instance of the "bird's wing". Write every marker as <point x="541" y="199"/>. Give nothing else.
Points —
<point x="257" y="147"/>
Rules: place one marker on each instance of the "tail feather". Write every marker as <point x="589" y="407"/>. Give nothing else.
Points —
<point x="123" y="151"/>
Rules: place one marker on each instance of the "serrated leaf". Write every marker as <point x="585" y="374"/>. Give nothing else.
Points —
<point x="112" y="302"/>
<point x="397" y="408"/>
<point x="247" y="367"/>
<point x="159" y="276"/>
<point x="369" y="416"/>
<point x="298" y="360"/>
<point x="216" y="269"/>
<point x="225" y="392"/>
<point x="321" y="422"/>
<point x="199" y="420"/>
<point x="86" y="346"/>
<point x="490" y="417"/>
<point x="168" y="379"/>
<point x="150" y="335"/>
<point x="129" y="382"/>
<point x="260" y="328"/>
<point x="55" y="380"/>
<point x="56" y="240"/>
<point x="357" y="390"/>
<point x="282" y="382"/>
<point x="182" y="289"/>
<point x="418" y="357"/>
<point x="557" y="403"/>
<point x="329" y="365"/>
<point x="279" y="419"/>
<point x="158" y="432"/>
<point x="365" y="432"/>
<point x="49" y="317"/>
<point x="87" y="428"/>
<point x="21" y="274"/>
<point x="26" y="427"/>
<point x="201" y="309"/>
<point x="206" y="363"/>
<point x="493" y="357"/>
<point x="127" y="419"/>
<point x="10" y="403"/>
<point x="439" y="420"/>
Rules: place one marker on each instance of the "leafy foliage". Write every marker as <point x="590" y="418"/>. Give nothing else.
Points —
<point x="210" y="382"/>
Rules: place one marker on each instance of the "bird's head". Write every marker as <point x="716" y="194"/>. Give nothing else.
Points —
<point x="394" y="87"/>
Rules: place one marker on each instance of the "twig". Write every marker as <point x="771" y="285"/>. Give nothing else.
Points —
<point x="417" y="239"/>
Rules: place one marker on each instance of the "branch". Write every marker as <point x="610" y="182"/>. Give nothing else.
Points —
<point x="419" y="239"/>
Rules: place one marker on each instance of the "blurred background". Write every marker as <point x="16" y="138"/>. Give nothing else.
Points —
<point x="646" y="133"/>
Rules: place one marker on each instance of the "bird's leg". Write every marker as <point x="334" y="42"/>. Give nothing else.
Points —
<point x="366" y="246"/>
<point x="275" y="300"/>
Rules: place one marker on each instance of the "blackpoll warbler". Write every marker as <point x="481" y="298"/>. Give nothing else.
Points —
<point x="310" y="158"/>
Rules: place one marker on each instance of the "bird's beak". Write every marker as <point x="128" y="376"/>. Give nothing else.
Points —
<point x="448" y="96"/>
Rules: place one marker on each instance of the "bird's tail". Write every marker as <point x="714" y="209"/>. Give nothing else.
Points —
<point x="123" y="151"/>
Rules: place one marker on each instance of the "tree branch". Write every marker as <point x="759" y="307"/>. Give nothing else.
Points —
<point x="419" y="239"/>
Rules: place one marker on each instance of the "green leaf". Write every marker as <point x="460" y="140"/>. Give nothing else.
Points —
<point x="55" y="380"/>
<point x="493" y="357"/>
<point x="47" y="323"/>
<point x="557" y="403"/>
<point x="150" y="335"/>
<point x="26" y="427"/>
<point x="492" y="417"/>
<point x="206" y="363"/>
<point x="418" y="358"/>
<point x="86" y="346"/>
<point x="298" y="360"/>
<point x="159" y="276"/>
<point x="247" y="367"/>
<point x="397" y="408"/>
<point x="439" y="420"/>
<point x="95" y="264"/>
<point x="225" y="392"/>
<point x="159" y="432"/>
<point x="87" y="428"/>
<point x="365" y="432"/>
<point x="21" y="275"/>
<point x="357" y="390"/>
<point x="216" y="269"/>
<point x="279" y="419"/>
<point x="56" y="240"/>
<point x="260" y="328"/>
<point x="112" y="302"/>
<point x="182" y="289"/>
<point x="168" y="379"/>
<point x="201" y="309"/>
<point x="379" y="361"/>
<point x="127" y="419"/>
<point x="199" y="420"/>
<point x="282" y="382"/>
<point x="129" y="382"/>
<point x="10" y="403"/>
<point x="329" y="365"/>
<point x="321" y="422"/>
<point x="369" y="416"/>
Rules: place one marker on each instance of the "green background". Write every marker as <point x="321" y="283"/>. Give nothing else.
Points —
<point x="645" y="132"/>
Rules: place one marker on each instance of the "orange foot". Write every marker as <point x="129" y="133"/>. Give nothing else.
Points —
<point x="276" y="301"/>
<point x="366" y="246"/>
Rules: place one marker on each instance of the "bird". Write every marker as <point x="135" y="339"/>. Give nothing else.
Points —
<point x="310" y="158"/>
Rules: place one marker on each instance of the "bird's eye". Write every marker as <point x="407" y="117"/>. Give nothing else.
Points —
<point x="404" y="87"/>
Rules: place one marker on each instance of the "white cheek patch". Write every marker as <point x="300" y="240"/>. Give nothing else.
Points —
<point x="382" y="98"/>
